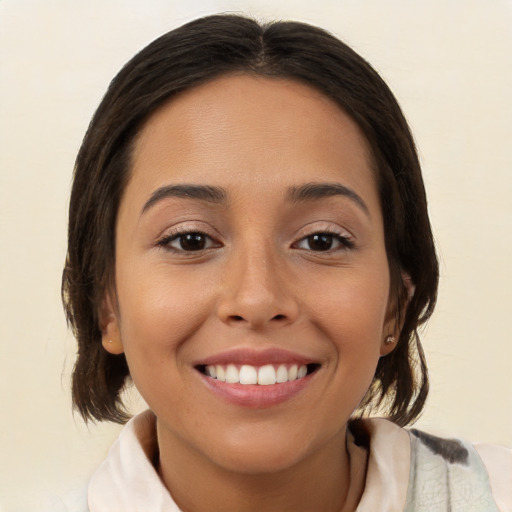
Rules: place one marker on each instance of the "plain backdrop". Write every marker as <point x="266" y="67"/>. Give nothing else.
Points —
<point x="450" y="66"/>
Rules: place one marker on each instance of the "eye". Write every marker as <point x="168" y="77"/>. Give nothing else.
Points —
<point x="323" y="242"/>
<point x="188" y="242"/>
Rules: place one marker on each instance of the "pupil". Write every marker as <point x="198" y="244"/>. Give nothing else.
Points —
<point x="192" y="242"/>
<point x="320" y="242"/>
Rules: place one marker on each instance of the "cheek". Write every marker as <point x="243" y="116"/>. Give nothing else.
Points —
<point x="350" y="313"/>
<point x="156" y="318"/>
<point x="352" y="306"/>
<point x="159" y="311"/>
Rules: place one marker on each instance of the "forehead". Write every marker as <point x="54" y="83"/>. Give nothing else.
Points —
<point x="245" y="129"/>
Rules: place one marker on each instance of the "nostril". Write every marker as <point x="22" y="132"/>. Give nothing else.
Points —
<point x="237" y="318"/>
<point x="279" y="317"/>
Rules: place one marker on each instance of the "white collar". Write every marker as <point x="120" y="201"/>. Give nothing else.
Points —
<point x="127" y="481"/>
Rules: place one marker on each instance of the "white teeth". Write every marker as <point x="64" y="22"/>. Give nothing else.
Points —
<point x="232" y="374"/>
<point x="282" y="374"/>
<point x="264" y="375"/>
<point x="248" y="375"/>
<point x="221" y="375"/>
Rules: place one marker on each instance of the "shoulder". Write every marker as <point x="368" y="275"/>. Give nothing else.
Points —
<point x="72" y="499"/>
<point x="431" y="473"/>
<point x="447" y="474"/>
<point x="127" y="479"/>
<point x="498" y="462"/>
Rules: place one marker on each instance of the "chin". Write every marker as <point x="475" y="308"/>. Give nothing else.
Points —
<point x="260" y="460"/>
<point x="266" y="450"/>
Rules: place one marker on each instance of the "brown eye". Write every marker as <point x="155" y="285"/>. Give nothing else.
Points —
<point x="323" y="242"/>
<point x="187" y="242"/>
<point x="192" y="241"/>
<point x="320" y="242"/>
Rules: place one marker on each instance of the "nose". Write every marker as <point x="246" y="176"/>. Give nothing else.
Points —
<point x="256" y="292"/>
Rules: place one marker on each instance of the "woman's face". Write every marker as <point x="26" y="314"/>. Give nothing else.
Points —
<point x="250" y="246"/>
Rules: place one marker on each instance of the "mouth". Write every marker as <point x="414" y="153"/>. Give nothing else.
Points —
<point x="257" y="378"/>
<point x="257" y="375"/>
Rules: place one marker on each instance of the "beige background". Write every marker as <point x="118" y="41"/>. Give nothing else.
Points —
<point x="449" y="63"/>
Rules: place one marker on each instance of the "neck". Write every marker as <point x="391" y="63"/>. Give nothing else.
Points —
<point x="329" y="479"/>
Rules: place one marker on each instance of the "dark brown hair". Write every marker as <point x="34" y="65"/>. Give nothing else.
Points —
<point x="194" y="54"/>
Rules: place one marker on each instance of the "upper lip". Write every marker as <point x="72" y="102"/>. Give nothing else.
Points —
<point x="255" y="357"/>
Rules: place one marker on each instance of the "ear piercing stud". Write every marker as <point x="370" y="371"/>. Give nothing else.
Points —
<point x="389" y="340"/>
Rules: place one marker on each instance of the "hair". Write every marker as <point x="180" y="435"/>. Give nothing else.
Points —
<point x="196" y="53"/>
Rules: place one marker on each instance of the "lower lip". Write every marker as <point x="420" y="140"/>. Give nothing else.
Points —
<point x="256" y="396"/>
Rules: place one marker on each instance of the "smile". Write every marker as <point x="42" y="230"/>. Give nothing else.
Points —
<point x="262" y="375"/>
<point x="257" y="378"/>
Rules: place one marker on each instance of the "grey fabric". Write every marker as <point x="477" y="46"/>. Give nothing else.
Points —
<point x="447" y="475"/>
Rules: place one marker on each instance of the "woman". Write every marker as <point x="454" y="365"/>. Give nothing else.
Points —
<point x="249" y="242"/>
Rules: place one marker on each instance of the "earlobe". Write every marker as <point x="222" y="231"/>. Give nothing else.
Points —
<point x="388" y="345"/>
<point x="110" y="335"/>
<point x="391" y="332"/>
<point x="112" y="342"/>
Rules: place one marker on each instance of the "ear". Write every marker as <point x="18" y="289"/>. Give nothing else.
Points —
<point x="109" y="326"/>
<point x="409" y="286"/>
<point x="392" y="327"/>
<point x="388" y="342"/>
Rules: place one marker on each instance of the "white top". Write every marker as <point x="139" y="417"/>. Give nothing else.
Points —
<point x="408" y="471"/>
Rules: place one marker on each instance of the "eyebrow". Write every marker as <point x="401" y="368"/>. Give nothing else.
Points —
<point x="218" y="195"/>
<point x="206" y="193"/>
<point x="313" y="191"/>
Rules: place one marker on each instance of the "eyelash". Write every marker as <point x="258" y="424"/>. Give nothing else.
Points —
<point x="165" y="242"/>
<point x="345" y="242"/>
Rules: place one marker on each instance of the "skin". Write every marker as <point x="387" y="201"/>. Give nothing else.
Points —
<point x="258" y="283"/>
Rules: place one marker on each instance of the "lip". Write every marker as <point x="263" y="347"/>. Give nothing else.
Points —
<point x="255" y="357"/>
<point x="256" y="396"/>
